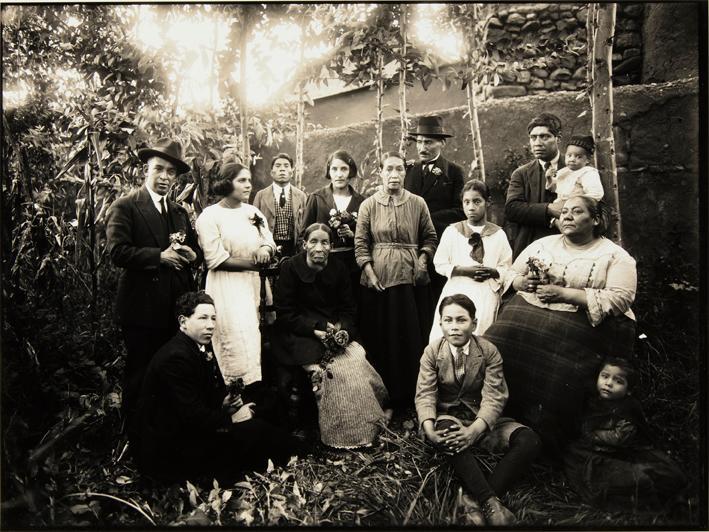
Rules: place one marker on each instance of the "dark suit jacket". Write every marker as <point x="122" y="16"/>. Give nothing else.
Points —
<point x="136" y="235"/>
<point x="180" y="407"/>
<point x="306" y="300"/>
<point x="526" y="219"/>
<point x="441" y="193"/>
<point x="318" y="208"/>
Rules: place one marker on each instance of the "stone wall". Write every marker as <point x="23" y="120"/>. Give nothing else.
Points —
<point x="656" y="130"/>
<point x="525" y="25"/>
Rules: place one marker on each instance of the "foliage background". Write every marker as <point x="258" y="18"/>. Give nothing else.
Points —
<point x="68" y="153"/>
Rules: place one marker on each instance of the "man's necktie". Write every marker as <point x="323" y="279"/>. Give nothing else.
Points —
<point x="459" y="360"/>
<point x="163" y="209"/>
<point x="548" y="182"/>
<point x="282" y="199"/>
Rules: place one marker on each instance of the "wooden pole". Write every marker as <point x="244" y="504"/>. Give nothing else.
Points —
<point x="402" y="79"/>
<point x="300" y="123"/>
<point x="601" y="94"/>
<point x="243" y="110"/>
<point x="380" y="96"/>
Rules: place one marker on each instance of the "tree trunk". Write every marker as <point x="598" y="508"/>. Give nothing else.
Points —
<point x="478" y="159"/>
<point x="600" y="45"/>
<point x="300" y="124"/>
<point x="380" y="119"/>
<point x="243" y="109"/>
<point x="402" y="79"/>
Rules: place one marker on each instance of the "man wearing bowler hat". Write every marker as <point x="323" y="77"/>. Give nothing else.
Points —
<point x="438" y="181"/>
<point x="150" y="237"/>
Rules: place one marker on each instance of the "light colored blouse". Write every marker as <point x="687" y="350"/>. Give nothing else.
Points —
<point x="391" y="233"/>
<point x="603" y="269"/>
<point x="584" y="181"/>
<point x="454" y="250"/>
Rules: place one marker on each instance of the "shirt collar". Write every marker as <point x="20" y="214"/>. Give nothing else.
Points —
<point x="466" y="348"/>
<point x="155" y="197"/>
<point x="277" y="189"/>
<point x="554" y="162"/>
<point x="432" y="161"/>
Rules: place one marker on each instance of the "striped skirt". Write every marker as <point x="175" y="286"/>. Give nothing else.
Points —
<point x="350" y="403"/>
<point x="551" y="360"/>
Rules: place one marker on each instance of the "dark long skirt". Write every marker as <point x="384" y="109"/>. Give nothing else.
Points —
<point x="394" y="328"/>
<point x="347" y="258"/>
<point x="550" y="360"/>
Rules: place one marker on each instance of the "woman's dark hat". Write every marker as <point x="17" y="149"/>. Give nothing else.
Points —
<point x="429" y="126"/>
<point x="168" y="149"/>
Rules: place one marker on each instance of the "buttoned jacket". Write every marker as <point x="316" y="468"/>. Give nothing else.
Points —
<point x="526" y="218"/>
<point x="440" y="188"/>
<point x="136" y="234"/>
<point x="483" y="391"/>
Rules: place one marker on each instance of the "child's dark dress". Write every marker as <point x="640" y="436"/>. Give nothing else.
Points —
<point x="614" y="464"/>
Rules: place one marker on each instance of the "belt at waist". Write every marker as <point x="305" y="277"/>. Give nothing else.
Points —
<point x="395" y="245"/>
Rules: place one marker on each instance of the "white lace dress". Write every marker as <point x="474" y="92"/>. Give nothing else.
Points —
<point x="225" y="233"/>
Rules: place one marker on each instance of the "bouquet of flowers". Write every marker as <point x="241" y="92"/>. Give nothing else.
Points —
<point x="335" y="341"/>
<point x="235" y="387"/>
<point x="337" y="218"/>
<point x="540" y="269"/>
<point x="177" y="239"/>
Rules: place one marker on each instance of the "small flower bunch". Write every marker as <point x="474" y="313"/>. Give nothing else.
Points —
<point x="335" y="341"/>
<point x="538" y="268"/>
<point x="436" y="171"/>
<point x="257" y="221"/>
<point x="177" y="239"/>
<point x="337" y="218"/>
<point x="235" y="387"/>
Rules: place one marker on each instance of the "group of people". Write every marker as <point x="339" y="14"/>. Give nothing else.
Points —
<point x="408" y="297"/>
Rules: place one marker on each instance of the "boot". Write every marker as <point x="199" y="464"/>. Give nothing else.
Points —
<point x="496" y="514"/>
<point x="472" y="514"/>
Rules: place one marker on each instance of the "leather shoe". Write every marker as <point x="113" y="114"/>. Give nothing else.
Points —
<point x="472" y="515"/>
<point x="496" y="514"/>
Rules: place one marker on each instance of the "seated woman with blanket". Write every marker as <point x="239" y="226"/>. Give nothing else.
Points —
<point x="572" y="307"/>
<point x="315" y="329"/>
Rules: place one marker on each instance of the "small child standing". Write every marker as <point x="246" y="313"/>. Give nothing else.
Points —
<point x="577" y="177"/>
<point x="614" y="464"/>
<point x="460" y="394"/>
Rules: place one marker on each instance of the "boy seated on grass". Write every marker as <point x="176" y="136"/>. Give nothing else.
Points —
<point x="460" y="393"/>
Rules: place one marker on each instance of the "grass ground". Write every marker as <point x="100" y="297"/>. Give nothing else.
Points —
<point x="399" y="482"/>
<point x="90" y="481"/>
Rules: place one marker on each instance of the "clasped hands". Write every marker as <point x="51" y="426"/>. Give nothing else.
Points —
<point x="237" y="409"/>
<point x="478" y="273"/>
<point x="456" y="438"/>
<point x="330" y="327"/>
<point x="546" y="292"/>
<point x="177" y="258"/>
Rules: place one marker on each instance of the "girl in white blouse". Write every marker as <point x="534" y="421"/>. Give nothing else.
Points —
<point x="475" y="256"/>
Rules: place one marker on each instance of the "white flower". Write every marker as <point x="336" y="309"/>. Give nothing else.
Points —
<point x="333" y="212"/>
<point x="436" y="171"/>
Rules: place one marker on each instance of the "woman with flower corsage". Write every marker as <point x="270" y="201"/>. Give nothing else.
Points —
<point x="474" y="255"/>
<point x="394" y="241"/>
<point x="336" y="205"/>
<point x="316" y="329"/>
<point x="572" y="306"/>
<point x="236" y="242"/>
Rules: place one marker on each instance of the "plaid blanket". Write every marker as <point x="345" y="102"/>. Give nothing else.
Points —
<point x="551" y="359"/>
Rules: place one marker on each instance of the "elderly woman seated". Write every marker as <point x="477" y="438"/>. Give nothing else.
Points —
<point x="189" y="425"/>
<point x="315" y="329"/>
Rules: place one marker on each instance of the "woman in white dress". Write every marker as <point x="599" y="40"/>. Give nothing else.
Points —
<point x="475" y="256"/>
<point x="236" y="240"/>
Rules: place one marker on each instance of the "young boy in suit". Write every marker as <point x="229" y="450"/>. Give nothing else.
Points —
<point x="460" y="394"/>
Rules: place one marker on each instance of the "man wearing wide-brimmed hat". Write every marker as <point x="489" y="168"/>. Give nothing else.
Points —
<point x="151" y="238"/>
<point x="437" y="180"/>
